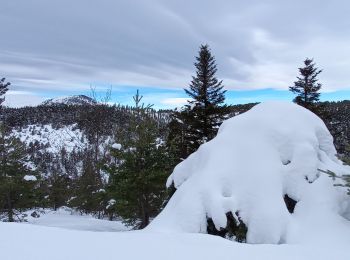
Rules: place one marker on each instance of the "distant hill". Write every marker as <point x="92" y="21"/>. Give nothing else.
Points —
<point x="70" y="101"/>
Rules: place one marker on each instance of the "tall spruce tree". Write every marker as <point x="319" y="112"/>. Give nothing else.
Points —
<point x="198" y="122"/>
<point x="307" y="87"/>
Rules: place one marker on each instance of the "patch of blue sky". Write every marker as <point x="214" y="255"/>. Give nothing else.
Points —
<point x="163" y="98"/>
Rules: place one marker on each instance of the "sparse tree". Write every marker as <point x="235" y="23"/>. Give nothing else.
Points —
<point x="137" y="178"/>
<point x="307" y="87"/>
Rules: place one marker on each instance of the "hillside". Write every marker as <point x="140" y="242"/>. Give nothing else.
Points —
<point x="70" y="123"/>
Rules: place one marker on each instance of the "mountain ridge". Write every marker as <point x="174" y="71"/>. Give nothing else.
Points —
<point x="70" y="100"/>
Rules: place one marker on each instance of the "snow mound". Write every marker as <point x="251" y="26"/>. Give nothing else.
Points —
<point x="117" y="146"/>
<point x="273" y="150"/>
<point x="30" y="178"/>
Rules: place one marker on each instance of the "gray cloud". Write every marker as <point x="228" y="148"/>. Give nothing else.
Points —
<point x="258" y="44"/>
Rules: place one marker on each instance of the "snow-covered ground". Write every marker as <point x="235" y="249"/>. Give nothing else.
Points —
<point x="32" y="242"/>
<point x="69" y="219"/>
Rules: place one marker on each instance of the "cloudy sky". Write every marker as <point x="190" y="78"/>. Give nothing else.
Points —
<point x="62" y="47"/>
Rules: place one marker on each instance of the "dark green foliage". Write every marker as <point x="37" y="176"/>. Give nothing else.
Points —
<point x="234" y="230"/>
<point x="336" y="116"/>
<point x="58" y="190"/>
<point x="198" y="122"/>
<point x="346" y="158"/>
<point x="177" y="139"/>
<point x="307" y="87"/>
<point x="16" y="193"/>
<point x="88" y="196"/>
<point x="3" y="89"/>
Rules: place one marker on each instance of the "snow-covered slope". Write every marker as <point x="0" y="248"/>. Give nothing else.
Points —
<point x="70" y="100"/>
<point x="52" y="139"/>
<point x="256" y="159"/>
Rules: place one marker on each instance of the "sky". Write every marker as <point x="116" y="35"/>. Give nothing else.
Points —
<point x="61" y="47"/>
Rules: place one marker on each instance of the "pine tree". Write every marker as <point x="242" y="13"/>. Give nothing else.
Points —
<point x="307" y="87"/>
<point x="3" y="89"/>
<point x="137" y="178"/>
<point x="17" y="180"/>
<point x="198" y="122"/>
<point x="58" y="190"/>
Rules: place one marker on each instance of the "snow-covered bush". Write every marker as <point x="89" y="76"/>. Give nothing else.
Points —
<point x="264" y="168"/>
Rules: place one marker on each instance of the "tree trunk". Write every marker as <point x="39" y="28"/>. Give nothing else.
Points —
<point x="9" y="209"/>
<point x="144" y="213"/>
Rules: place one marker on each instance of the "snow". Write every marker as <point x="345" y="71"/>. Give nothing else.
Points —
<point x="29" y="178"/>
<point x="274" y="149"/>
<point x="111" y="202"/>
<point x="30" y="242"/>
<point x="67" y="218"/>
<point x="117" y="146"/>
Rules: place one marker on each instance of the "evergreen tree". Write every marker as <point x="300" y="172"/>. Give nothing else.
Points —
<point x="3" y="89"/>
<point x="307" y="87"/>
<point x="58" y="190"/>
<point x="137" y="178"/>
<point x="198" y="122"/>
<point x="18" y="183"/>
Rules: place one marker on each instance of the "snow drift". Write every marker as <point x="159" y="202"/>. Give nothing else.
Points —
<point x="257" y="158"/>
